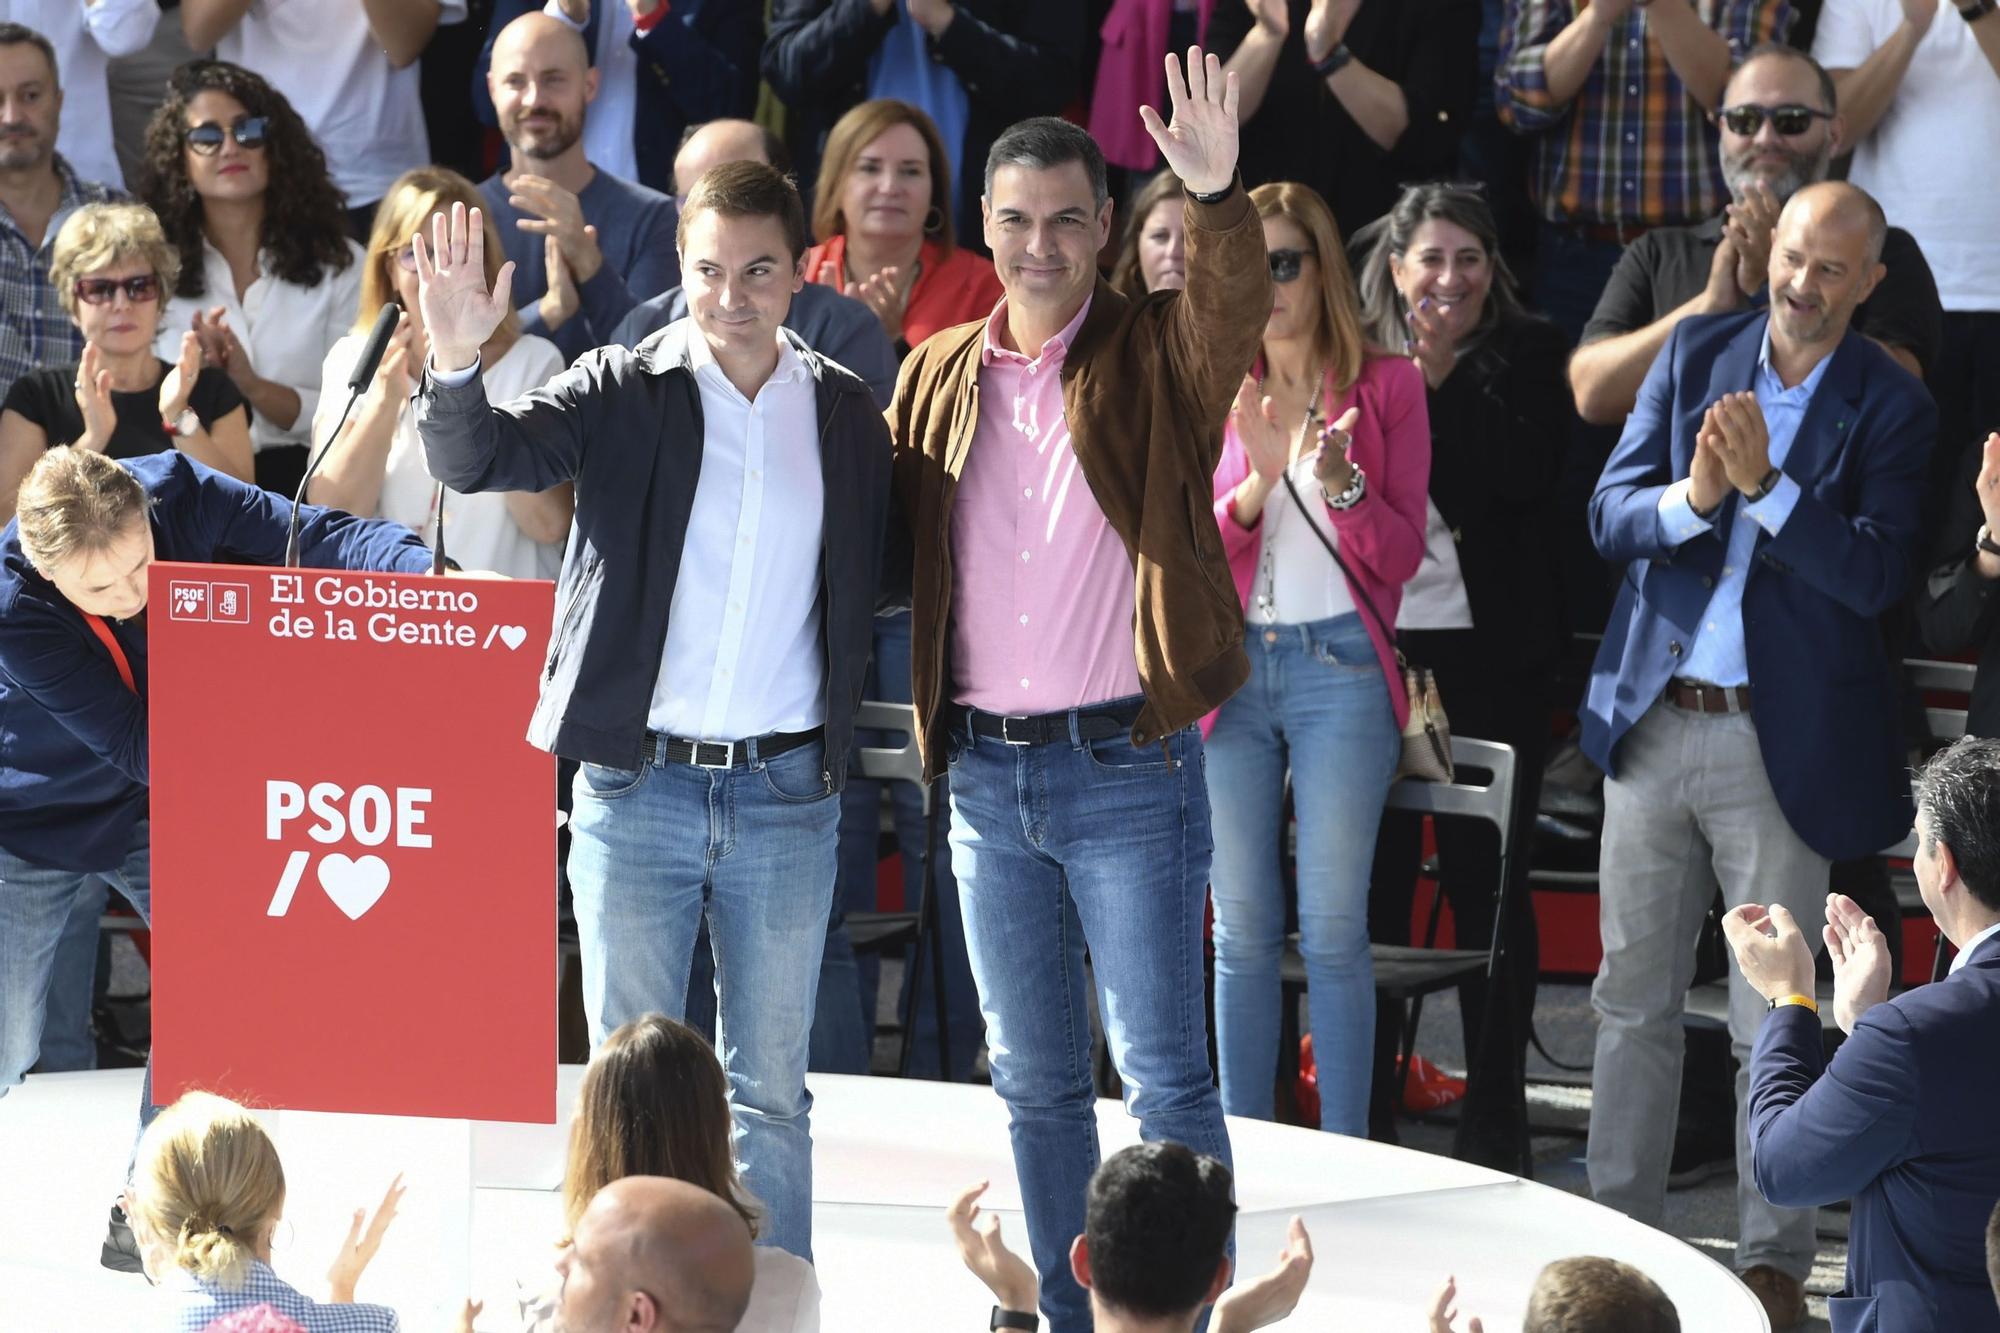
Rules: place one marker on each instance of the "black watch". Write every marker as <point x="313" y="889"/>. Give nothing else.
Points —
<point x="1333" y="61"/>
<point x="1977" y="9"/>
<point x="1005" y="1318"/>
<point x="1766" y="486"/>
<point x="1983" y="539"/>
<point x="1215" y="198"/>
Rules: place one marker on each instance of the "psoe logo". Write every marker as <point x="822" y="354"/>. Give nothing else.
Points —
<point x="372" y="815"/>
<point x="187" y="601"/>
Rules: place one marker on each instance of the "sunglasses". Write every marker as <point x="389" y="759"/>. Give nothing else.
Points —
<point x="1285" y="264"/>
<point x="250" y="132"/>
<point x="1789" y="120"/>
<point x="101" y="291"/>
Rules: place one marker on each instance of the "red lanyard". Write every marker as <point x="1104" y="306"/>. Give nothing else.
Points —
<point x="103" y="632"/>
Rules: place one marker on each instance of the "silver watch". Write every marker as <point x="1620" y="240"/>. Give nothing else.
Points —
<point x="184" y="425"/>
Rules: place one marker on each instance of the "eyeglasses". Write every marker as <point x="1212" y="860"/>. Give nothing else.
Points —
<point x="1789" y="120"/>
<point x="101" y="291"/>
<point x="250" y="132"/>
<point x="1285" y="264"/>
<point x="406" y="259"/>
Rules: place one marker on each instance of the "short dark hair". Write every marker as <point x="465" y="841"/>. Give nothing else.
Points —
<point x="1157" y="1219"/>
<point x="1829" y="95"/>
<point x="1588" y="1294"/>
<point x="775" y="153"/>
<point x="1958" y="793"/>
<point x="748" y="190"/>
<point x="1044" y="142"/>
<point x="19" y="34"/>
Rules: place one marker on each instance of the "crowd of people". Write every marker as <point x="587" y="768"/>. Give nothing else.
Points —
<point x="1143" y="423"/>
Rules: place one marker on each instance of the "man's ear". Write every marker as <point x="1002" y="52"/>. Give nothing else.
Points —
<point x="592" y="79"/>
<point x="1223" y="1272"/>
<point x="1836" y="134"/>
<point x="1104" y="224"/>
<point x="1079" y="1261"/>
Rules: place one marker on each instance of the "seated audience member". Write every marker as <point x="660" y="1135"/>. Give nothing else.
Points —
<point x="839" y="326"/>
<point x="660" y="66"/>
<point x="973" y="67"/>
<point x="269" y="275"/>
<point x="349" y="66"/>
<point x="1901" y="1119"/>
<point x="1154" y="1252"/>
<point x="654" y="1103"/>
<point x="111" y="266"/>
<point x="207" y="1192"/>
<point x="1957" y="611"/>
<point x="1328" y="448"/>
<point x="883" y="219"/>
<point x="652" y="1255"/>
<point x="1483" y="609"/>
<point x="1779" y="132"/>
<point x="1153" y="254"/>
<point x="377" y="466"/>
<point x="586" y="245"/>
<point x="38" y="191"/>
<point x="1586" y="1294"/>
<point x="86" y="38"/>
<point x="1351" y="99"/>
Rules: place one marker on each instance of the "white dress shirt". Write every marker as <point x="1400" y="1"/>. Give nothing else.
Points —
<point x="745" y="652"/>
<point x="286" y="329"/>
<point x="1964" y="955"/>
<point x="85" y="37"/>
<point x="607" y="126"/>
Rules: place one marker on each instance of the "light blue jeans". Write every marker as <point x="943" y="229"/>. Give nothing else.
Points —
<point x="67" y="1040"/>
<point x="750" y="849"/>
<point x="1057" y="846"/>
<point x="1316" y="703"/>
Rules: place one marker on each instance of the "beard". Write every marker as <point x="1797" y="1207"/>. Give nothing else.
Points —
<point x="545" y="139"/>
<point x="23" y="146"/>
<point x="1740" y="170"/>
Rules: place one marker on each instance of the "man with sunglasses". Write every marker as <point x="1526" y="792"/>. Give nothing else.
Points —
<point x="38" y="190"/>
<point x="1780" y="130"/>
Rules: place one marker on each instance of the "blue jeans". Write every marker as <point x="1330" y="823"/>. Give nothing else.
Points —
<point x="844" y="1024"/>
<point x="67" y="1040"/>
<point x="1315" y="701"/>
<point x="1057" y="846"/>
<point x="750" y="849"/>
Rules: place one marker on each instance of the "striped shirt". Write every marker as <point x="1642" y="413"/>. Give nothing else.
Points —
<point x="197" y="1304"/>
<point x="1633" y="146"/>
<point x="35" y="330"/>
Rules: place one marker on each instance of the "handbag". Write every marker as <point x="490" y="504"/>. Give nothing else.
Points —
<point x="1427" y="734"/>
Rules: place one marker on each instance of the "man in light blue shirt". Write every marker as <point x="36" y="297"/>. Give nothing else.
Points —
<point x="1763" y="501"/>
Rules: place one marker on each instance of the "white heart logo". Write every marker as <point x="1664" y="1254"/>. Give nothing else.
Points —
<point x="513" y="635"/>
<point x="354" y="885"/>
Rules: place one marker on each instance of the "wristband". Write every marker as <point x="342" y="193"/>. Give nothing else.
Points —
<point x="1005" y="1318"/>
<point x="1802" y="1001"/>
<point x="1333" y="61"/>
<point x="1217" y="197"/>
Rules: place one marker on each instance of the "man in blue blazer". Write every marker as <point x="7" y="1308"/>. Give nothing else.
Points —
<point x="1763" y="502"/>
<point x="1902" y="1120"/>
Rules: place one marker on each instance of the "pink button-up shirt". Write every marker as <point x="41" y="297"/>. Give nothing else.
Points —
<point x="1042" y="588"/>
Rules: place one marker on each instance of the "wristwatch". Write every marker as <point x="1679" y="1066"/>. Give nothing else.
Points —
<point x="1005" y="1318"/>
<point x="1218" y="196"/>
<point x="1766" y="486"/>
<point x="1977" y="9"/>
<point x="1333" y="61"/>
<point x="1984" y="540"/>
<point x="182" y="426"/>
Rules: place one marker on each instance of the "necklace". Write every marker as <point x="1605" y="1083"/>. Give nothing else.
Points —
<point x="1267" y="562"/>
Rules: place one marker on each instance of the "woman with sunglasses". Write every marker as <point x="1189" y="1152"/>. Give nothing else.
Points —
<point x="376" y="466"/>
<point x="110" y="267"/>
<point x="1483" y="610"/>
<point x="270" y="277"/>
<point x="1328" y="450"/>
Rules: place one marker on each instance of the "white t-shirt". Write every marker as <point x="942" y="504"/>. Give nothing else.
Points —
<point x="1434" y="598"/>
<point x="1930" y="161"/>
<point x="85" y="38"/>
<point x="1296" y="581"/>
<point x="366" y="115"/>
<point x="286" y="329"/>
<point x="479" y="533"/>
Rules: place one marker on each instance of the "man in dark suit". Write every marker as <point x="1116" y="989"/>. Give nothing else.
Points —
<point x="1764" y="501"/>
<point x="1902" y="1119"/>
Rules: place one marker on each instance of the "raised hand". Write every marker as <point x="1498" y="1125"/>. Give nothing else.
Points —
<point x="459" y="312"/>
<point x="560" y="301"/>
<point x="1326" y="24"/>
<point x="1987" y="486"/>
<point x="1256" y="422"/>
<point x="560" y="216"/>
<point x="1331" y="464"/>
<point x="1862" y="968"/>
<point x="93" y="400"/>
<point x="1748" y="224"/>
<point x="180" y="377"/>
<point x="1444" y="1311"/>
<point x="1710" y="480"/>
<point x="1743" y="440"/>
<point x="1273" y="1296"/>
<point x="883" y="292"/>
<point x="1721" y="294"/>
<point x="1200" y="143"/>
<point x="362" y="1243"/>
<point x="1005" y="1273"/>
<point x="1433" y="341"/>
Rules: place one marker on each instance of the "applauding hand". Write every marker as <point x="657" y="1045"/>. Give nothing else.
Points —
<point x="1273" y="1296"/>
<point x="459" y="312"/>
<point x="1862" y="968"/>
<point x="93" y="400"/>
<point x="364" y="1240"/>
<point x="1005" y="1273"/>
<point x="1331" y="463"/>
<point x="1200" y="143"/>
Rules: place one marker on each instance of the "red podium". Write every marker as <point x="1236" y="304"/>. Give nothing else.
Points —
<point x="353" y="845"/>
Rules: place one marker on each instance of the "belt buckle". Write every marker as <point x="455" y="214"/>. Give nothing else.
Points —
<point x="728" y="749"/>
<point x="1005" y="724"/>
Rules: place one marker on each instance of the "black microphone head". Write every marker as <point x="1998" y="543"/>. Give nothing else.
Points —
<point x="371" y="351"/>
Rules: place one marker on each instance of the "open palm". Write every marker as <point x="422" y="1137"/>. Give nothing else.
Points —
<point x="1862" y="966"/>
<point x="460" y="314"/>
<point x="1200" y="142"/>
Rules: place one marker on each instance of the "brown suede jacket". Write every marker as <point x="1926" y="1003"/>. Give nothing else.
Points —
<point x="1147" y="388"/>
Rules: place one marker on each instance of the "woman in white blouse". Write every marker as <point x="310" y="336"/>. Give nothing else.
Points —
<point x="268" y="276"/>
<point x="376" y="467"/>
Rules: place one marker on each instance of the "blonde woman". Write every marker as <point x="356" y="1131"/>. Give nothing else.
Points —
<point x="111" y="269"/>
<point x="376" y="466"/>
<point x="207" y="1193"/>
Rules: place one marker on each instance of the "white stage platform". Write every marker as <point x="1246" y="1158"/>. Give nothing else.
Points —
<point x="1387" y="1224"/>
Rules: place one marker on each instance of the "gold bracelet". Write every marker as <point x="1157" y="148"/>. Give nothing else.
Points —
<point x="1803" y="1001"/>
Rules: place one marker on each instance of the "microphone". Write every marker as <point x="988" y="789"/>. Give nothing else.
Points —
<point x="357" y="384"/>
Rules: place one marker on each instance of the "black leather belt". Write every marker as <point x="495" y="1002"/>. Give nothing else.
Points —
<point x="1092" y="724"/>
<point x="723" y="754"/>
<point x="1698" y="696"/>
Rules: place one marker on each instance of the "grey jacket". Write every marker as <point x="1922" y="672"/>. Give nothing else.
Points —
<point x="626" y="427"/>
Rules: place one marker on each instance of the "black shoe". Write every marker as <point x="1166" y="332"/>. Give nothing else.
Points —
<point x="121" y="1251"/>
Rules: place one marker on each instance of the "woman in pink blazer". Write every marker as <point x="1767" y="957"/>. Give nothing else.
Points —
<point x="1347" y="424"/>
